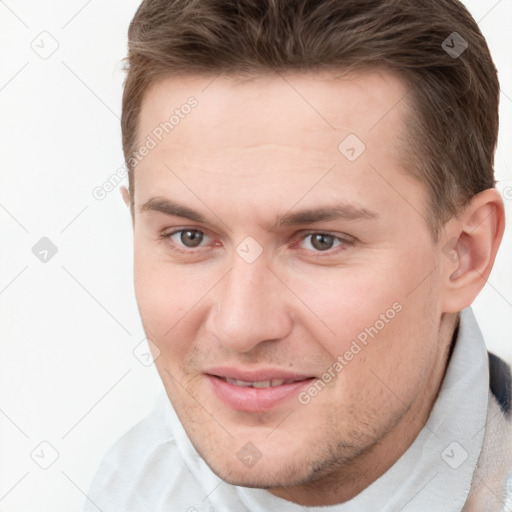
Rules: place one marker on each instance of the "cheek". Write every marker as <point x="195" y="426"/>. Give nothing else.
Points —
<point x="165" y="294"/>
<point x="350" y="304"/>
<point x="398" y="337"/>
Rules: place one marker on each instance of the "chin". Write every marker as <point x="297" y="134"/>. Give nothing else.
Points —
<point x="263" y="475"/>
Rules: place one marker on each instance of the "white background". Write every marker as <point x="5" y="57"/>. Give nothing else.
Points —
<point x="68" y="375"/>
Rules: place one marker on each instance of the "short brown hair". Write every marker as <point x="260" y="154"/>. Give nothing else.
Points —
<point x="453" y="131"/>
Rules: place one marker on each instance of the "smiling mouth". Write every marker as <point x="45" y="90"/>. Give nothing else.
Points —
<point x="256" y="395"/>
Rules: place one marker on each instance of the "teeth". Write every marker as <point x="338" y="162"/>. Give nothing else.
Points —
<point x="262" y="384"/>
<point x="237" y="382"/>
<point x="258" y="384"/>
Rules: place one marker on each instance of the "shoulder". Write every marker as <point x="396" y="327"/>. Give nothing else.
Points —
<point x="492" y="482"/>
<point x="140" y="467"/>
<point x="500" y="383"/>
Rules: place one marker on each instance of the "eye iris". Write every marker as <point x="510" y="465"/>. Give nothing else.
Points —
<point x="191" y="238"/>
<point x="321" y="241"/>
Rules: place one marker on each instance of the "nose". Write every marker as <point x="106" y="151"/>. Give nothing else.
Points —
<point x="251" y="307"/>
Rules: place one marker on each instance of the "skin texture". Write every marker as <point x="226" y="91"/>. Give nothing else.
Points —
<point x="250" y="152"/>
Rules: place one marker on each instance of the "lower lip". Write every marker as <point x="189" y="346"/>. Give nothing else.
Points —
<point x="251" y="399"/>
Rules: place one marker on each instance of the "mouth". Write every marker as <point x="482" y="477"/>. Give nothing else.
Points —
<point x="256" y="392"/>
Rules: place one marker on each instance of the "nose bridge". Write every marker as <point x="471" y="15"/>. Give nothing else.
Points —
<point x="250" y="307"/>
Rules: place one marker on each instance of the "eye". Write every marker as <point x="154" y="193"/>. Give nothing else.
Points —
<point x="190" y="238"/>
<point x="321" y="242"/>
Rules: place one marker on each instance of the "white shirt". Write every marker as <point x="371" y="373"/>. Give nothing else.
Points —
<point x="155" y="468"/>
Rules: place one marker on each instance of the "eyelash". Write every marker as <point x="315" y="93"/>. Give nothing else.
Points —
<point x="341" y="246"/>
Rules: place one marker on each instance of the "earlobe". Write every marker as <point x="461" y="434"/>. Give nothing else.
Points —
<point x="469" y="254"/>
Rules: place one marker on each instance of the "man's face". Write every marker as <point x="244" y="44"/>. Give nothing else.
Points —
<point x="271" y="247"/>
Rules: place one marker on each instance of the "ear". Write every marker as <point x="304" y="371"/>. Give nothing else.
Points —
<point x="126" y="196"/>
<point x="468" y="249"/>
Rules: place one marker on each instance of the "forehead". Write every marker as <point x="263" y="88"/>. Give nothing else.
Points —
<point x="277" y="108"/>
<point x="250" y="133"/>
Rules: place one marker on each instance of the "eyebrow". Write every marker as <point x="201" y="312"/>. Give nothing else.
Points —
<point x="167" y="207"/>
<point x="308" y="216"/>
<point x="341" y="211"/>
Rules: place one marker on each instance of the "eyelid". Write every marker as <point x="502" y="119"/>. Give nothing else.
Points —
<point x="344" y="237"/>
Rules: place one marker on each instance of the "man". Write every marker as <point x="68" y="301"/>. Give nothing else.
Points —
<point x="314" y="212"/>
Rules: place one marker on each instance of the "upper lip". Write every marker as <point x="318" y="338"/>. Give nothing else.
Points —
<point x="260" y="375"/>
